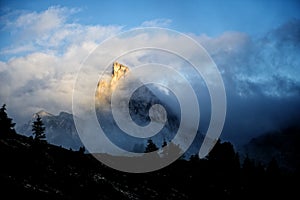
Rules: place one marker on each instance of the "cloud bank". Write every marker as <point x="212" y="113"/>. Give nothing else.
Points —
<point x="44" y="59"/>
<point x="261" y="74"/>
<point x="261" y="77"/>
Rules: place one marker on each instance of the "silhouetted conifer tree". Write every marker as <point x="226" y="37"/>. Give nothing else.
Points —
<point x="38" y="129"/>
<point x="150" y="146"/>
<point x="273" y="168"/>
<point x="81" y="150"/>
<point x="222" y="152"/>
<point x="6" y="125"/>
<point x="248" y="165"/>
<point x="194" y="158"/>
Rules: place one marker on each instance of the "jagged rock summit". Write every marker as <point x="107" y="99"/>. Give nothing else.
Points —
<point x="106" y="86"/>
<point x="42" y="113"/>
<point x="139" y="104"/>
<point x="118" y="72"/>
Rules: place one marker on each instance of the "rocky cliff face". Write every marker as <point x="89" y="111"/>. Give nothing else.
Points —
<point x="118" y="72"/>
<point x="106" y="86"/>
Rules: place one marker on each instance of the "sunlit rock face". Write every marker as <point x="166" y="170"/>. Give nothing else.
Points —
<point x="107" y="85"/>
<point x="140" y="102"/>
<point x="118" y="72"/>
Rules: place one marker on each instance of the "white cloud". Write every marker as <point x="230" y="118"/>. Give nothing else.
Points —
<point x="41" y="23"/>
<point x="51" y="30"/>
<point x="263" y="65"/>
<point x="157" y="23"/>
<point x="44" y="62"/>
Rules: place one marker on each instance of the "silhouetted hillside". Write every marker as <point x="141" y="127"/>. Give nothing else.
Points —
<point x="35" y="169"/>
<point x="282" y="145"/>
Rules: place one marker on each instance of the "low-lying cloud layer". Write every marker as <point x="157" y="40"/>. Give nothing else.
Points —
<point x="261" y="74"/>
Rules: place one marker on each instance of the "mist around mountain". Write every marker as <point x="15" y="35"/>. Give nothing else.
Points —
<point x="142" y="107"/>
<point x="61" y="130"/>
<point x="139" y="105"/>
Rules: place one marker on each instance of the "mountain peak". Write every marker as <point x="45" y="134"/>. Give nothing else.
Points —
<point x="118" y="71"/>
<point x="105" y="87"/>
<point x="42" y="113"/>
<point x="65" y="114"/>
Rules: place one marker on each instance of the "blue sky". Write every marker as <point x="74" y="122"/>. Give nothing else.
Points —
<point x="196" y="16"/>
<point x="254" y="43"/>
<point x="211" y="18"/>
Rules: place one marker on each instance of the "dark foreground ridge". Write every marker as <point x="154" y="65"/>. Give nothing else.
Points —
<point x="36" y="169"/>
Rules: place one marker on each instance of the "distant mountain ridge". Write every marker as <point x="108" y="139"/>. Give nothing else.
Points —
<point x="60" y="129"/>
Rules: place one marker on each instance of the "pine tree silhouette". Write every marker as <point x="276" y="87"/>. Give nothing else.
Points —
<point x="38" y="129"/>
<point x="164" y="144"/>
<point x="273" y="168"/>
<point x="81" y="150"/>
<point x="6" y="125"/>
<point x="151" y="146"/>
<point x="194" y="158"/>
<point x="248" y="165"/>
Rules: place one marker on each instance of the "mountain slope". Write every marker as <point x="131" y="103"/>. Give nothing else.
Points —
<point x="32" y="169"/>
<point x="60" y="129"/>
<point x="36" y="170"/>
<point x="282" y="145"/>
